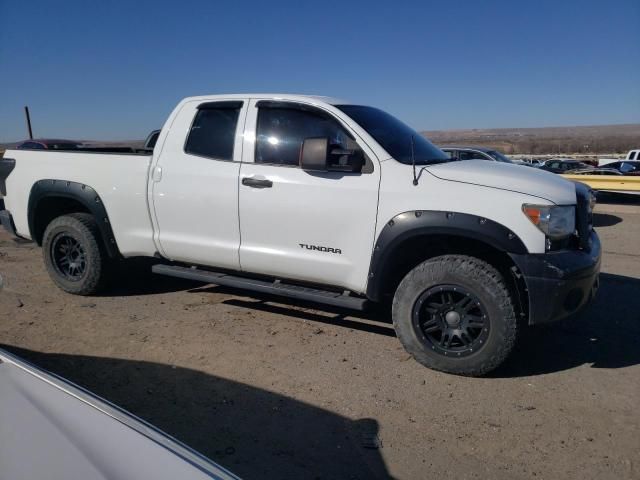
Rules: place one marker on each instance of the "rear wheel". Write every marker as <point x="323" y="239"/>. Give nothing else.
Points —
<point x="455" y="314"/>
<point x="73" y="254"/>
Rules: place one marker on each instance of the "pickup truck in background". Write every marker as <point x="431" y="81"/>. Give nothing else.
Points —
<point x="320" y="200"/>
<point x="631" y="156"/>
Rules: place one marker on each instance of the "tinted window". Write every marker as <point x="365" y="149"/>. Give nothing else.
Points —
<point x="627" y="167"/>
<point x="470" y="155"/>
<point x="499" y="157"/>
<point x="394" y="136"/>
<point x="63" y="146"/>
<point x="31" y="146"/>
<point x="281" y="132"/>
<point x="214" y="130"/>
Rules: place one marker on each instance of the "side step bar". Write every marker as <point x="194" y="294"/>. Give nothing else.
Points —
<point x="263" y="286"/>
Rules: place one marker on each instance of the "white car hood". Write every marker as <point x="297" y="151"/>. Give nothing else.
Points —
<point x="505" y="176"/>
<point x="52" y="429"/>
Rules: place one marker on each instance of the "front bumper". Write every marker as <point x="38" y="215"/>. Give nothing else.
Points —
<point x="560" y="283"/>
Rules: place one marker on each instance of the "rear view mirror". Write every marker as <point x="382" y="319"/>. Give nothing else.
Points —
<point x="316" y="155"/>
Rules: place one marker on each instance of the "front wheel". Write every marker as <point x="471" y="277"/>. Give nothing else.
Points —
<point x="73" y="254"/>
<point x="455" y="314"/>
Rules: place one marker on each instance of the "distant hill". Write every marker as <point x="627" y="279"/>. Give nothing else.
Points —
<point x="545" y="140"/>
<point x="595" y="139"/>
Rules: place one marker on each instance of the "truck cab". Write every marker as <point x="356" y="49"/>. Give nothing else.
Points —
<point x="633" y="155"/>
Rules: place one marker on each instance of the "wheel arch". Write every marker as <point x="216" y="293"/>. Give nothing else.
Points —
<point x="415" y="236"/>
<point x="51" y="198"/>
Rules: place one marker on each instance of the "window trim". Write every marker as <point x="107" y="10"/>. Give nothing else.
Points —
<point x="292" y="105"/>
<point x="214" y="105"/>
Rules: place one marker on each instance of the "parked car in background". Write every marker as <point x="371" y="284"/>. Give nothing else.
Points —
<point x="626" y="167"/>
<point x="96" y="147"/>
<point x="563" y="165"/>
<point x="594" y="171"/>
<point x="48" y="144"/>
<point x="476" y="153"/>
<point x="51" y="428"/>
<point x="607" y="180"/>
<point x="530" y="162"/>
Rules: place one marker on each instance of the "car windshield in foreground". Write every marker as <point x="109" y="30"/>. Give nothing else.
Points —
<point x="500" y="157"/>
<point x="395" y="136"/>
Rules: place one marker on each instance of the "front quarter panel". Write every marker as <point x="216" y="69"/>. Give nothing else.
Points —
<point x="504" y="207"/>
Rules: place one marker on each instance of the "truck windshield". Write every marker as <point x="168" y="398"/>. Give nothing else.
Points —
<point x="395" y="136"/>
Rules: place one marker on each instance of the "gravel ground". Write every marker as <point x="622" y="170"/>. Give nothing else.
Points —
<point x="272" y="389"/>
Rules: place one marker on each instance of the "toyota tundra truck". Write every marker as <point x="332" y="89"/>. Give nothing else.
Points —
<point x="324" y="201"/>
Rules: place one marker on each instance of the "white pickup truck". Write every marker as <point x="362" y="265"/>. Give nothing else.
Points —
<point x="632" y="155"/>
<point x="326" y="201"/>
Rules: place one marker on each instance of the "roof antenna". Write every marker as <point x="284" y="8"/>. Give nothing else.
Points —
<point x="413" y="163"/>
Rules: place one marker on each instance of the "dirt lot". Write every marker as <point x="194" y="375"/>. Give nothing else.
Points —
<point x="277" y="390"/>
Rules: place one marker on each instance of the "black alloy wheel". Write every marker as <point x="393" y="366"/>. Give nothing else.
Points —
<point x="451" y="320"/>
<point x="68" y="256"/>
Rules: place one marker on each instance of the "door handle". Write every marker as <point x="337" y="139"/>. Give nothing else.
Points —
<point x="257" y="182"/>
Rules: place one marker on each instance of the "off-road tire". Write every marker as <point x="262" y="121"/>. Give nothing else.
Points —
<point x="81" y="227"/>
<point x="486" y="284"/>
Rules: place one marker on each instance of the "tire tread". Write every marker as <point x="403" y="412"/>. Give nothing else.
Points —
<point x="479" y="272"/>
<point x="84" y="224"/>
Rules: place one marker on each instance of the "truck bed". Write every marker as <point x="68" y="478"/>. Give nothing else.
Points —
<point x="119" y="179"/>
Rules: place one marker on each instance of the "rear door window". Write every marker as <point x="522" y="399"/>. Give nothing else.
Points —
<point x="213" y="131"/>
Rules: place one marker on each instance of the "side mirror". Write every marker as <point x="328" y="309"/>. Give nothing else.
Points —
<point x="316" y="155"/>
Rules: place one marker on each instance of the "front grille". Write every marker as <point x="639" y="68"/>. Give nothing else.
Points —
<point x="584" y="215"/>
<point x="580" y="240"/>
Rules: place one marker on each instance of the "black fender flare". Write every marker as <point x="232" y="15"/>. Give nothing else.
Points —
<point x="430" y="222"/>
<point x="85" y="195"/>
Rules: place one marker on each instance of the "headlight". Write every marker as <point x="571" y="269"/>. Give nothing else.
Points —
<point x="554" y="221"/>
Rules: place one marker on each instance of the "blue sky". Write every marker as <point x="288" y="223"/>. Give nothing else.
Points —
<point x="114" y="70"/>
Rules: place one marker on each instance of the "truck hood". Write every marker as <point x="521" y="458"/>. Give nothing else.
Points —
<point x="505" y="176"/>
